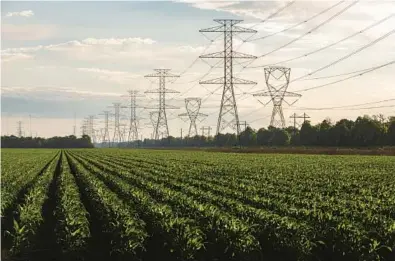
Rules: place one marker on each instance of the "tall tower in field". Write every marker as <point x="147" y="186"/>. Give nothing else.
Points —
<point x="228" y="115"/>
<point x="277" y="81"/>
<point x="161" y="124"/>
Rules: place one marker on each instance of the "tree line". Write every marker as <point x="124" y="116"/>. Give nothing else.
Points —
<point x="53" y="142"/>
<point x="365" y="131"/>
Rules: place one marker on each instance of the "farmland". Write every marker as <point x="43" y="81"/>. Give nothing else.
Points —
<point x="102" y="204"/>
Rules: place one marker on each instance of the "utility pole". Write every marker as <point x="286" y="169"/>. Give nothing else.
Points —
<point x="206" y="131"/>
<point x="133" y="130"/>
<point x="192" y="106"/>
<point x="305" y="116"/>
<point x="277" y="93"/>
<point x="245" y="127"/>
<point x="228" y="113"/>
<point x="161" y="124"/>
<point x="244" y="123"/>
<point x="294" y="116"/>
<point x="118" y="137"/>
<point x="19" y="129"/>
<point x="106" y="134"/>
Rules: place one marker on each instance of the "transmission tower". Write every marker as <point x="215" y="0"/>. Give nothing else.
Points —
<point x="133" y="130"/>
<point x="105" y="135"/>
<point x="153" y="115"/>
<point x="74" y="126"/>
<point x="206" y="131"/>
<point x="90" y="128"/>
<point x="192" y="106"/>
<point x="161" y="123"/>
<point x="118" y="137"/>
<point x="280" y="75"/>
<point x="19" y="129"/>
<point x="84" y="127"/>
<point x="228" y="114"/>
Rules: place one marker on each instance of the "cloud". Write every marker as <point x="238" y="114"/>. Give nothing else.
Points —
<point x="15" y="57"/>
<point x="54" y="93"/>
<point x="27" y="32"/>
<point x="116" y="51"/>
<point x="120" y="77"/>
<point x="26" y="13"/>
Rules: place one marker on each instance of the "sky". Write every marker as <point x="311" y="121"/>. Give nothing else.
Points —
<point x="66" y="59"/>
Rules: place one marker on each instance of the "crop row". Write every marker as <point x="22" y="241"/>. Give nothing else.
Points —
<point x="335" y="227"/>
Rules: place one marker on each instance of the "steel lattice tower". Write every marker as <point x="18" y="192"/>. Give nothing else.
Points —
<point x="133" y="123"/>
<point x="192" y="106"/>
<point x="153" y="115"/>
<point x="19" y="129"/>
<point x="277" y="93"/>
<point x="228" y="114"/>
<point x="106" y="134"/>
<point x="90" y="129"/>
<point x="161" y="123"/>
<point x="84" y="127"/>
<point x="118" y="137"/>
<point x="74" y="126"/>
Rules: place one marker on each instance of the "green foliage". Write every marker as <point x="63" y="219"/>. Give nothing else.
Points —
<point x="72" y="228"/>
<point x="53" y="142"/>
<point x="29" y="214"/>
<point x="213" y="206"/>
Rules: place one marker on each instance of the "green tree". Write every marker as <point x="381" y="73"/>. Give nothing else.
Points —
<point x="391" y="131"/>
<point x="248" y="137"/>
<point x="324" y="133"/>
<point x="308" y="134"/>
<point x="341" y="133"/>
<point x="280" y="137"/>
<point x="366" y="131"/>
<point x="263" y="136"/>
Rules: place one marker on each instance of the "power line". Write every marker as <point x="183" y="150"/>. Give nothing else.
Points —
<point x="329" y="45"/>
<point x="212" y="67"/>
<point x="197" y="58"/>
<point x="346" y="56"/>
<point x="354" y="109"/>
<point x="345" y="106"/>
<point x="347" y="78"/>
<point x="298" y="24"/>
<point x="311" y="30"/>
<point x="266" y="19"/>
<point x="303" y="35"/>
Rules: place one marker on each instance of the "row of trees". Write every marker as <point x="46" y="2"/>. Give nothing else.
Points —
<point x="364" y="131"/>
<point x="54" y="142"/>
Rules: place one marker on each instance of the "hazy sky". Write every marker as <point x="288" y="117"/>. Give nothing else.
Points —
<point x="61" y="58"/>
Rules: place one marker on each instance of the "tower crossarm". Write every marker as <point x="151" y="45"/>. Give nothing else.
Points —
<point x="235" y="55"/>
<point x="221" y="80"/>
<point x="160" y="91"/>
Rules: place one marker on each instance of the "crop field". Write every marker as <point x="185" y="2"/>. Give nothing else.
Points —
<point x="114" y="204"/>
